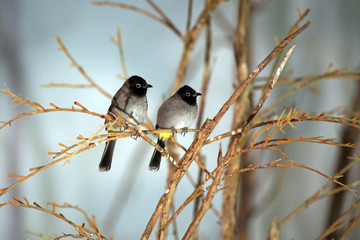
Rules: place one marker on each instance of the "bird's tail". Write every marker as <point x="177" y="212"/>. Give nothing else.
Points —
<point x="105" y="163"/>
<point x="156" y="157"/>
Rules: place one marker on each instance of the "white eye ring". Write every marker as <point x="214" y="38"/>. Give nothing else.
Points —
<point x="138" y="85"/>
<point x="187" y="94"/>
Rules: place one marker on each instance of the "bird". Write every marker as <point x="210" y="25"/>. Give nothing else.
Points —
<point x="178" y="111"/>
<point x="131" y="101"/>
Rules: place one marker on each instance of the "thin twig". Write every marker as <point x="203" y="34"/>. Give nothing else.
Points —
<point x="319" y="195"/>
<point x="81" y="70"/>
<point x="337" y="223"/>
<point x="83" y="232"/>
<point x="189" y="16"/>
<point x="292" y="28"/>
<point x="161" y="19"/>
<point x="296" y="117"/>
<point x="118" y="43"/>
<point x="165" y="18"/>
<point x="66" y="85"/>
<point x="352" y="224"/>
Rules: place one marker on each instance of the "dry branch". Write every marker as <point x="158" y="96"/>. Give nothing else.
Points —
<point x="83" y="232"/>
<point x="242" y="125"/>
<point x="206" y="129"/>
<point x="80" y="68"/>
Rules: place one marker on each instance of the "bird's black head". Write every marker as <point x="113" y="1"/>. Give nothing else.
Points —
<point x="188" y="94"/>
<point x="138" y="85"/>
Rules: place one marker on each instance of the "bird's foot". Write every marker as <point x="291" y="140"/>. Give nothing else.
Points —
<point x="173" y="130"/>
<point x="136" y="133"/>
<point x="184" y="131"/>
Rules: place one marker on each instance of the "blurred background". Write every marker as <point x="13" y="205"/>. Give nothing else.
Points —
<point x="124" y="198"/>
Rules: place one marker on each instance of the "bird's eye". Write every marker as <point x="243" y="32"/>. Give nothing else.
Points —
<point x="138" y="85"/>
<point x="187" y="94"/>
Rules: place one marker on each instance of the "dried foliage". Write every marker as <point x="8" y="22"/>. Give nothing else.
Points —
<point x="256" y="131"/>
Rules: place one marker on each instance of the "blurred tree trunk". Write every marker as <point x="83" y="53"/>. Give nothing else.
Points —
<point x="241" y="111"/>
<point x="10" y="32"/>
<point x="348" y="136"/>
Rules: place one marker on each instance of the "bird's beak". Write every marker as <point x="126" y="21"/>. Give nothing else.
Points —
<point x="147" y="86"/>
<point x="197" y="94"/>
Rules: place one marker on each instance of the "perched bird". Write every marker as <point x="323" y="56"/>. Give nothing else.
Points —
<point x="178" y="111"/>
<point x="130" y="100"/>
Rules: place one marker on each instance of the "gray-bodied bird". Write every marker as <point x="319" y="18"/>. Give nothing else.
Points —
<point x="130" y="100"/>
<point x="178" y="111"/>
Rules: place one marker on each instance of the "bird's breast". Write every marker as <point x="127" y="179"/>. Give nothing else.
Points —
<point x="137" y="108"/>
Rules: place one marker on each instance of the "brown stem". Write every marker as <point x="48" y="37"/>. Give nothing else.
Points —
<point x="189" y="43"/>
<point x="204" y="89"/>
<point x="165" y="18"/>
<point x="189" y="16"/>
<point x="207" y="128"/>
<point x="206" y="203"/>
<point x="81" y="69"/>
<point x="241" y="110"/>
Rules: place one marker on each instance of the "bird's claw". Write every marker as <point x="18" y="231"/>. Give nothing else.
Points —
<point x="173" y="130"/>
<point x="184" y="131"/>
<point x="136" y="133"/>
